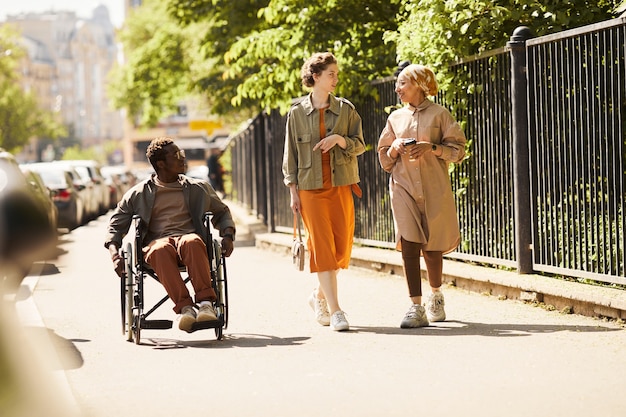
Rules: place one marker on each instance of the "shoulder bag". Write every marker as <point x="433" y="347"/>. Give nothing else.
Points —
<point x="297" y="248"/>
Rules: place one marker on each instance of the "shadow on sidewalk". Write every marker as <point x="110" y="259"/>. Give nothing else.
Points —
<point x="241" y="340"/>
<point x="461" y="328"/>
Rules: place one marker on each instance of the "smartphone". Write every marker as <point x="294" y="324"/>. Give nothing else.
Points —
<point x="410" y="141"/>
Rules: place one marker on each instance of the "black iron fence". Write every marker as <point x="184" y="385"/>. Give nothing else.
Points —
<point x="542" y="188"/>
<point x="577" y="132"/>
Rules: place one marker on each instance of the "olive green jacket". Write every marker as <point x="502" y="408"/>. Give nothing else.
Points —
<point x="301" y="165"/>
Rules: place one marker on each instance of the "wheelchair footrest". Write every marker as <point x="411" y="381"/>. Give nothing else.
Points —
<point x="156" y="324"/>
<point x="200" y="325"/>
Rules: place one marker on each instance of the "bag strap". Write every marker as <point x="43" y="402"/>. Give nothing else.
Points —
<point x="296" y="219"/>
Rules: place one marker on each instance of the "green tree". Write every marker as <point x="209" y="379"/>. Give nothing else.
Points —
<point x="155" y="76"/>
<point x="439" y="32"/>
<point x="294" y="29"/>
<point x="245" y="55"/>
<point x="21" y="118"/>
<point x="224" y="22"/>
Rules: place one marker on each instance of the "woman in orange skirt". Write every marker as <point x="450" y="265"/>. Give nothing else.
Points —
<point x="324" y="136"/>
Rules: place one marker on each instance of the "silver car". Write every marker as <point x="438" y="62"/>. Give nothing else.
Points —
<point x="67" y="189"/>
<point x="90" y="172"/>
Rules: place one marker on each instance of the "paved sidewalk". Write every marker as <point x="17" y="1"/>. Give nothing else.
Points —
<point x="572" y="297"/>
<point x="489" y="358"/>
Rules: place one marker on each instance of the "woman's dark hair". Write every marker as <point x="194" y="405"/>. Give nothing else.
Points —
<point x="317" y="63"/>
<point x="156" y="150"/>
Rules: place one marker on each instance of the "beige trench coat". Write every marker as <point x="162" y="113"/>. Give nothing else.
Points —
<point x="423" y="206"/>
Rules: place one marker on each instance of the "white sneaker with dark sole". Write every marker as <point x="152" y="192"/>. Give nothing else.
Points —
<point x="435" y="307"/>
<point x="415" y="317"/>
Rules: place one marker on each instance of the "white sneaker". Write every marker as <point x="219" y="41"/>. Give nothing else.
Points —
<point x="187" y="318"/>
<point x="320" y="308"/>
<point x="338" y="321"/>
<point x="206" y="313"/>
<point x="415" y="317"/>
<point x="435" y="307"/>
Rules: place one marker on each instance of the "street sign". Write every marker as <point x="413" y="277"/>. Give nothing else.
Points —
<point x="208" y="125"/>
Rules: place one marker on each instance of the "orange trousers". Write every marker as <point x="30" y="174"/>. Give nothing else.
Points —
<point x="164" y="254"/>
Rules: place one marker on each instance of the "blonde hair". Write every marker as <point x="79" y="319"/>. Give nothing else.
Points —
<point x="423" y="77"/>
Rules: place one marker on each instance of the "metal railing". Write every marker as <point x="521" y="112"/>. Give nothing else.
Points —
<point x="484" y="181"/>
<point x="577" y="117"/>
<point x="542" y="188"/>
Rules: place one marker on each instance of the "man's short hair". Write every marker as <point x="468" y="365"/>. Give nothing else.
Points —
<point x="156" y="150"/>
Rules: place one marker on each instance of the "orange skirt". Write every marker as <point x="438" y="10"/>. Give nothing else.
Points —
<point x="328" y="216"/>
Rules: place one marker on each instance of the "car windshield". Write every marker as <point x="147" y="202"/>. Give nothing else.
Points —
<point x="53" y="178"/>
<point x="83" y="172"/>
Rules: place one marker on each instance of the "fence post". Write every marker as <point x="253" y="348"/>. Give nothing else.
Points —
<point x="521" y="167"/>
<point x="270" y="142"/>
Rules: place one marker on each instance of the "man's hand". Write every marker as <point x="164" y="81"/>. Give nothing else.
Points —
<point x="118" y="261"/>
<point x="118" y="265"/>
<point x="227" y="246"/>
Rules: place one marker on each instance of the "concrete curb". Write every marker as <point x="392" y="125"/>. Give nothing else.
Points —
<point x="565" y="296"/>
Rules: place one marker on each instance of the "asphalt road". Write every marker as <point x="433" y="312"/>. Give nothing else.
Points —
<point x="491" y="358"/>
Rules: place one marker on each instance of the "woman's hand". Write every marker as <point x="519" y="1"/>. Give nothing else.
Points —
<point x="420" y="148"/>
<point x="326" y="144"/>
<point x="295" y="198"/>
<point x="397" y="148"/>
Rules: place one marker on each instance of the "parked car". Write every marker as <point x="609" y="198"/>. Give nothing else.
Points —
<point x="120" y="180"/>
<point x="44" y="196"/>
<point x="26" y="234"/>
<point x="200" y="172"/>
<point x="89" y="189"/>
<point x="114" y="182"/>
<point x="67" y="191"/>
<point x="143" y="173"/>
<point x="90" y="172"/>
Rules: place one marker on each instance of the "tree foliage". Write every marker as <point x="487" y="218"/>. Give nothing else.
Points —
<point x="224" y="22"/>
<point x="159" y="56"/>
<point x="21" y="117"/>
<point x="440" y="32"/>
<point x="245" y="55"/>
<point x="295" y="29"/>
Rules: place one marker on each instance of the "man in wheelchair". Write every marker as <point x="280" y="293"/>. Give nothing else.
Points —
<point x="171" y="206"/>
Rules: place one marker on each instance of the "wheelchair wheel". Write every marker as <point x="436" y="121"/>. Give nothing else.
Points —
<point x="137" y="329"/>
<point x="123" y="289"/>
<point x="128" y="302"/>
<point x="221" y="290"/>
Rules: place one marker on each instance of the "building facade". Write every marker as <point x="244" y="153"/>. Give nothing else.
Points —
<point x="67" y="66"/>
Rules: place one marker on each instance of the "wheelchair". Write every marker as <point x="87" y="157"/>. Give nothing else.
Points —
<point x="135" y="315"/>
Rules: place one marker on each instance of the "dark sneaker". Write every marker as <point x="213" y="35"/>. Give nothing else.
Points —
<point x="415" y="317"/>
<point x="435" y="307"/>
<point x="187" y="319"/>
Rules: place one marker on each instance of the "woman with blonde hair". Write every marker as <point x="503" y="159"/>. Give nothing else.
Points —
<point x="416" y="146"/>
<point x="323" y="138"/>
